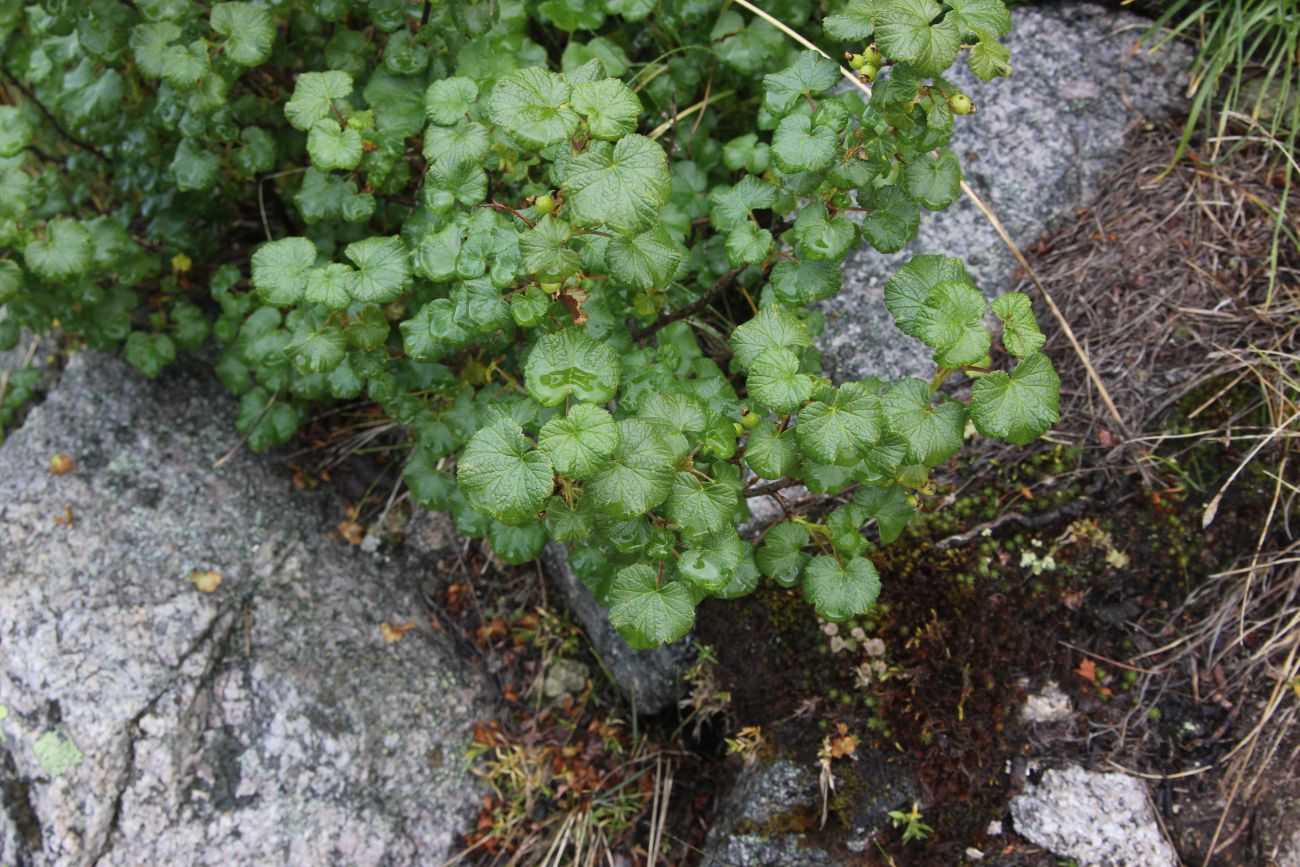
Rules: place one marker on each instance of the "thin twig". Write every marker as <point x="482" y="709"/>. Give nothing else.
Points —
<point x="691" y="309"/>
<point x="54" y="121"/>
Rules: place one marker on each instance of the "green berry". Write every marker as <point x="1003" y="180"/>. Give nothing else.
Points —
<point x="868" y="73"/>
<point x="544" y="203"/>
<point x="552" y="288"/>
<point x="857" y="61"/>
<point x="873" y="56"/>
<point x="750" y="420"/>
<point x="960" y="104"/>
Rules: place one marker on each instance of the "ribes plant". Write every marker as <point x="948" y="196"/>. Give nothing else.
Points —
<point x="571" y="246"/>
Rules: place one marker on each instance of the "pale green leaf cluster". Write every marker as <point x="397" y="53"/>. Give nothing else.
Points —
<point x="566" y="255"/>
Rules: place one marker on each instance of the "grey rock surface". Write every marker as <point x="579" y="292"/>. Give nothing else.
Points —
<point x="267" y="722"/>
<point x="1099" y="820"/>
<point x="744" y="833"/>
<point x="771" y="813"/>
<point x="1035" y="150"/>
<point x="650" y="679"/>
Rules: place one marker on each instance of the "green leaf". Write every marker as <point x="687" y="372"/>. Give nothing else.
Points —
<point x="905" y="30"/>
<point x="450" y="147"/>
<point x="639" y="475"/>
<point x="570" y="362"/>
<point x="333" y="147"/>
<point x="430" y="487"/>
<point x="774" y="326"/>
<point x="149" y="353"/>
<point x="149" y="44"/>
<point x="781" y="556"/>
<point x="799" y="146"/>
<point x="64" y="252"/>
<point x="249" y="32"/>
<point x="330" y="285"/>
<point x="892" y="217"/>
<point x="734" y="206"/>
<point x="533" y="106"/>
<point x="194" y="167"/>
<point x="313" y="97"/>
<point x="448" y="101"/>
<point x="675" y="412"/>
<point x="855" y="22"/>
<point x="907" y="290"/>
<point x="517" y="545"/>
<point x="748" y="153"/>
<point x="317" y="345"/>
<point x="546" y="251"/>
<point x="935" y="181"/>
<point x="845" y="524"/>
<point x="699" y="507"/>
<point x="811" y="73"/>
<point x="1020" y="333"/>
<point x="280" y="270"/>
<point x="839" y="430"/>
<point x="989" y="59"/>
<point x="501" y="475"/>
<point x="744" y="580"/>
<point x="571" y="15"/>
<point x="579" y="442"/>
<point x="398" y="103"/>
<point x="266" y="424"/>
<point x="841" y="591"/>
<point x="256" y="152"/>
<point x="646" y="614"/>
<point x="1018" y="408"/>
<point x="821" y="236"/>
<point x="771" y="455"/>
<point x="184" y="65"/>
<point x="800" y="282"/>
<point x="621" y="186"/>
<point x="610" y="106"/>
<point x="528" y="308"/>
<point x="383" y="269"/>
<point x="747" y="244"/>
<point x="565" y="523"/>
<point x="980" y="16"/>
<point x="368" y="329"/>
<point x="643" y="261"/>
<point x="933" y="432"/>
<point x="11" y="280"/>
<point x="775" y="381"/>
<point x="434" y="256"/>
<point x="890" y="508"/>
<point x="15" y="131"/>
<point x="951" y="322"/>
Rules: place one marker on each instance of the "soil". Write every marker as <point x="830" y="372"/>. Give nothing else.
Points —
<point x="969" y="632"/>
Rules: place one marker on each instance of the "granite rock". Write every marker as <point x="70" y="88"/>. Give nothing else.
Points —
<point x="144" y="721"/>
<point x="1099" y="820"/>
<point x="771" y="813"/>
<point x="1035" y="150"/>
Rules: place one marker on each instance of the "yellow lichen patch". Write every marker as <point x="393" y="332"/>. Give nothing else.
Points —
<point x="206" y="581"/>
<point x="393" y="634"/>
<point x="61" y="463"/>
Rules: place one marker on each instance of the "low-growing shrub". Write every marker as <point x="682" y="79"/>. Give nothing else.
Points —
<point x="511" y="225"/>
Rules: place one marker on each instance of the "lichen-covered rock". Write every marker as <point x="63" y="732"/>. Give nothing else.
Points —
<point x="264" y="721"/>
<point x="650" y="679"/>
<point x="771" y="814"/>
<point x="1099" y="820"/>
<point x="1035" y="151"/>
